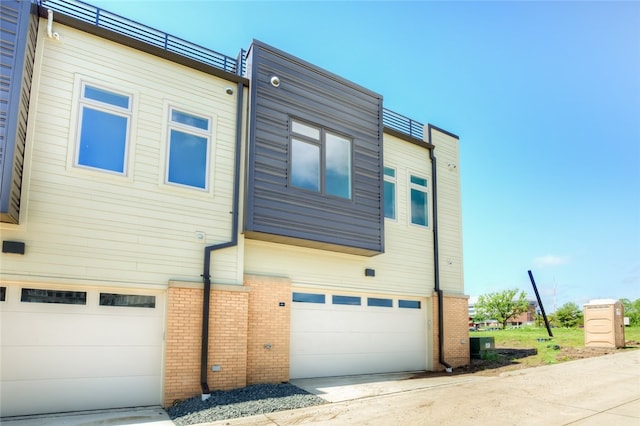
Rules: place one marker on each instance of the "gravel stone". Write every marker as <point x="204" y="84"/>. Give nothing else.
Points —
<point x="242" y="402"/>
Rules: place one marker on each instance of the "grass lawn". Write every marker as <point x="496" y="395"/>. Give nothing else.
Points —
<point x="567" y="343"/>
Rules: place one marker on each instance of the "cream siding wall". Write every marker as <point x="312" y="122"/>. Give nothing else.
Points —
<point x="94" y="226"/>
<point x="449" y="211"/>
<point x="406" y="267"/>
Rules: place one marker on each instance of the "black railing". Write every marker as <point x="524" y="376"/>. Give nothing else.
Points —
<point x="402" y="124"/>
<point x="116" y="23"/>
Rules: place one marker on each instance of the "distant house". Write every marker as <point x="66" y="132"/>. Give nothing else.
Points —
<point x="526" y="318"/>
<point x="176" y="221"/>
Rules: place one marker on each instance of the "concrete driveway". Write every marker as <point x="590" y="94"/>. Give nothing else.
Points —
<point x="593" y="391"/>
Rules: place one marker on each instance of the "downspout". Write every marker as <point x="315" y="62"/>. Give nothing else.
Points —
<point x="206" y="274"/>
<point x="436" y="260"/>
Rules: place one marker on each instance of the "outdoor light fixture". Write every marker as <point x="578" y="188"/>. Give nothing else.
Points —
<point x="229" y="90"/>
<point x="275" y="81"/>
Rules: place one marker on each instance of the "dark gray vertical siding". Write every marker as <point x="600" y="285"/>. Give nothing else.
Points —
<point x="308" y="93"/>
<point x="18" y="31"/>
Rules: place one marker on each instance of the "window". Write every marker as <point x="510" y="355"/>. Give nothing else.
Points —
<point x="419" y="210"/>
<point x="409" y="304"/>
<point x="188" y="152"/>
<point x="3" y="294"/>
<point x="130" y="300"/>
<point x="389" y="193"/>
<point x="308" y="298"/>
<point x="33" y="295"/>
<point x="346" y="300"/>
<point x="104" y="129"/>
<point x="320" y="160"/>
<point x="385" y="303"/>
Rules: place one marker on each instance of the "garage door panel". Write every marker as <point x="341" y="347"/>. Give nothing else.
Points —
<point x="60" y="357"/>
<point x="328" y="339"/>
<point x="65" y="329"/>
<point x="50" y="363"/>
<point x="60" y="395"/>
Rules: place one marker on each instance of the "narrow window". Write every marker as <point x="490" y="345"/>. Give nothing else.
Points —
<point x="338" y="166"/>
<point x="188" y="153"/>
<point x="385" y="303"/>
<point x="346" y="300"/>
<point x="308" y="297"/>
<point x="104" y="129"/>
<point x="130" y="300"/>
<point x="389" y="193"/>
<point x="34" y="295"/>
<point x="3" y="294"/>
<point x="320" y="160"/>
<point x="409" y="304"/>
<point x="419" y="210"/>
<point x="305" y="165"/>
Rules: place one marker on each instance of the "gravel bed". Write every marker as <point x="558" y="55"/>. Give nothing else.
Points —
<point x="242" y="402"/>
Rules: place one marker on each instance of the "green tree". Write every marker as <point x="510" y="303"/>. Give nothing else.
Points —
<point x="569" y="315"/>
<point x="502" y="306"/>
<point x="632" y="310"/>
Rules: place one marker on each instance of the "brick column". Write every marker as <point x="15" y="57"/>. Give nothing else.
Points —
<point x="269" y="329"/>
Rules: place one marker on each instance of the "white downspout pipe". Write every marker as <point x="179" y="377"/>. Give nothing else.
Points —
<point x="50" y="32"/>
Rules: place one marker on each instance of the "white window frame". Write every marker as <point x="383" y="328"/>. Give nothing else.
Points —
<point x="394" y="180"/>
<point x="427" y="193"/>
<point x="193" y="130"/>
<point x="106" y="108"/>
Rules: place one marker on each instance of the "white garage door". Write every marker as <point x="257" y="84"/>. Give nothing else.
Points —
<point x="335" y="334"/>
<point x="68" y="349"/>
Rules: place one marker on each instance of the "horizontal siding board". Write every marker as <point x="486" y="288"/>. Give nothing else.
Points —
<point x="95" y="226"/>
<point x="310" y="94"/>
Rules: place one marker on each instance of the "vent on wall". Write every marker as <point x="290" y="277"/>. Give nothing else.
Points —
<point x="13" y="247"/>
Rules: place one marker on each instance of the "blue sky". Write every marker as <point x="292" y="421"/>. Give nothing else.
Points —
<point x="545" y="97"/>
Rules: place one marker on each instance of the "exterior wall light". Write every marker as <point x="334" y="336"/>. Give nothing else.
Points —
<point x="229" y="90"/>
<point x="275" y="81"/>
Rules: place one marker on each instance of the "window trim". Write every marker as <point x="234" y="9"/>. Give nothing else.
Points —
<point x="321" y="143"/>
<point x="75" y="124"/>
<point x="306" y="297"/>
<point x="169" y="124"/>
<point x="393" y="180"/>
<point x="82" y="103"/>
<point x="54" y="296"/>
<point x="426" y="190"/>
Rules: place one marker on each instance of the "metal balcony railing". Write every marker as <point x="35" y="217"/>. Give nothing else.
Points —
<point x="113" y="22"/>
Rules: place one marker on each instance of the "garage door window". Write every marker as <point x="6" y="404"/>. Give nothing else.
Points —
<point x="34" y="295"/>
<point x="410" y="304"/>
<point x="346" y="300"/>
<point x="384" y="303"/>
<point x="308" y="298"/>
<point x="128" y="300"/>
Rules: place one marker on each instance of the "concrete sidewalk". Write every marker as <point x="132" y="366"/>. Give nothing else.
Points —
<point x="592" y="391"/>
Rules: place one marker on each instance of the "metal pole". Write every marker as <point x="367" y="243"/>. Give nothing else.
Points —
<point x="535" y="289"/>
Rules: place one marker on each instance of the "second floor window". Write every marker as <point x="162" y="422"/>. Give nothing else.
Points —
<point x="188" y="150"/>
<point x="419" y="207"/>
<point x="320" y="160"/>
<point x="104" y="129"/>
<point x="389" y="193"/>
